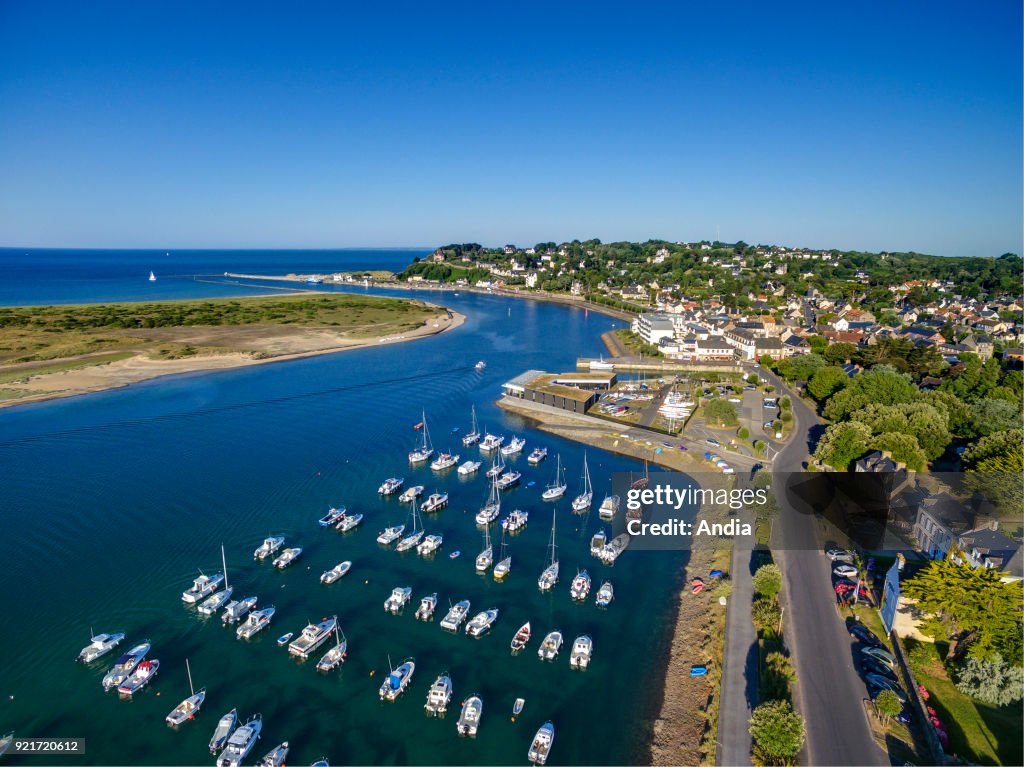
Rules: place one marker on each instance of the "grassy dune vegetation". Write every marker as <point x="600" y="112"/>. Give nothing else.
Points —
<point x="174" y="329"/>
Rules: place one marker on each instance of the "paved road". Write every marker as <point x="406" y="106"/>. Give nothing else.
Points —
<point x="829" y="692"/>
<point x="649" y="413"/>
<point x="739" y="662"/>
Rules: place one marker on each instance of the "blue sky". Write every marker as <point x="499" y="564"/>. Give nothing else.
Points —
<point x="871" y="126"/>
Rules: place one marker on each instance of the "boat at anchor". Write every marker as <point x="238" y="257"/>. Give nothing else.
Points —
<point x="469" y="718"/>
<point x="438" y="696"/>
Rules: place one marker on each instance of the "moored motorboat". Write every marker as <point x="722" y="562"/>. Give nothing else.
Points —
<point x="429" y="545"/>
<point x="140" y="677"/>
<point x="550" y="646"/>
<point x="521" y="638"/>
<point x="348" y="522"/>
<point x="609" y="507"/>
<point x="285" y="638"/>
<point x="125" y="665"/>
<point x="390" y="534"/>
<point x="469" y="717"/>
<point x="287" y="558"/>
<point x="469" y="467"/>
<point x="541" y="745"/>
<point x="613" y="550"/>
<point x="514" y="447"/>
<point x="605" y="594"/>
<point x="597" y="542"/>
<point x="399" y="598"/>
<point x="491" y="442"/>
<point x="444" y="462"/>
<point x="314" y="635"/>
<point x="456" y="615"/>
<point x="240" y="743"/>
<point x="582" y="650"/>
<point x="269" y="547"/>
<point x="202" y="587"/>
<point x="100" y="645"/>
<point x="213" y="603"/>
<point x="435" y="502"/>
<point x="427" y="607"/>
<point x="538" y="455"/>
<point x="438" y="696"/>
<point x="482" y="622"/>
<point x="397" y="680"/>
<point x="517" y="707"/>
<point x="580" y="587"/>
<point x="515" y="521"/>
<point x="410" y="494"/>
<point x="332" y="516"/>
<point x="507" y="480"/>
<point x="336" y="572"/>
<point x="235" y="611"/>
<point x="255" y="622"/>
<point x="225" y="726"/>
<point x="275" y="757"/>
<point x="391" y="485"/>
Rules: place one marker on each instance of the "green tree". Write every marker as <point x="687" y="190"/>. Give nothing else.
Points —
<point x="842" y="444"/>
<point x="720" y="412"/>
<point x="826" y="382"/>
<point x="881" y="385"/>
<point x="992" y="415"/>
<point x="840" y="353"/>
<point x="993" y="681"/>
<point x="743" y="432"/>
<point x="776" y="676"/>
<point x="777" y="733"/>
<point x="904" y="448"/>
<point x="888" y="704"/>
<point x="768" y="580"/>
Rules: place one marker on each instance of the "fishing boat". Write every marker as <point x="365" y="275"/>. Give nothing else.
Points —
<point x="550" y="646"/>
<point x="269" y="547"/>
<point x="100" y="645"/>
<point x="605" y="594"/>
<point x="288" y="557"/>
<point x="485" y="558"/>
<point x="473" y="435"/>
<point x="125" y="665"/>
<point x="139" y="678"/>
<point x="597" y="542"/>
<point x="469" y="717"/>
<point x="469" y="467"/>
<point x="225" y="726"/>
<point x="336" y="655"/>
<point x="517" y="707"/>
<point x="444" y="462"/>
<point x="435" y="502"/>
<point x="425" y="450"/>
<point x="582" y="649"/>
<point x="521" y="638"/>
<point x="515" y="521"/>
<point x="152" y="277"/>
<point x="492" y="506"/>
<point x="410" y="494"/>
<point x="275" y="757"/>
<point x="390" y="534"/>
<point x="438" y="696"/>
<point x="609" y="507"/>
<point x="538" y="455"/>
<point x="189" y="707"/>
<point x="429" y="545"/>
<point x="314" y="635"/>
<point x="504" y="565"/>
<point x="391" y="485"/>
<point x="400" y="596"/>
<point x="241" y="743"/>
<point x="507" y="480"/>
<point x="497" y="468"/>
<point x="456" y="615"/>
<point x="336" y="572"/>
<point x="491" y="442"/>
<point x="427" y="607"/>
<point x="332" y="516"/>
<point x="514" y="447"/>
<point x="285" y="638"/>
<point x="580" y="587"/>
<point x="542" y="742"/>
<point x="349" y="522"/>
<point x="397" y="680"/>
<point x="581" y="502"/>
<point x="481" y="365"/>
<point x="414" y="537"/>
<point x="613" y="550"/>
<point x="482" y="622"/>
<point x="235" y="611"/>
<point x="557" y="487"/>
<point x="549" y="577"/>
<point x="213" y="603"/>
<point x="255" y="622"/>
<point x="202" y="587"/>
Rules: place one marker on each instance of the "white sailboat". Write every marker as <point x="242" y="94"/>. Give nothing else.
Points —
<point x="414" y="537"/>
<point x="473" y="436"/>
<point x="424" y="451"/>
<point x="504" y="559"/>
<point x="485" y="558"/>
<point x="557" y="488"/>
<point x="581" y="502"/>
<point x="549" y="577"/>
<point x="492" y="508"/>
<point x="219" y="599"/>
<point x="152" y="277"/>
<point x="189" y="707"/>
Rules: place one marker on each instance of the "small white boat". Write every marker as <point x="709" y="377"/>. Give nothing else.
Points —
<point x="391" y="485"/>
<point x="538" y="455"/>
<point x="425" y="450"/>
<point x="550" y="646"/>
<point x="398" y="599"/>
<point x="515" y="521"/>
<point x="336" y="572"/>
<point x="609" y="507"/>
<point x="288" y="557"/>
<point x="597" y="542"/>
<point x="125" y="665"/>
<point x="435" y="502"/>
<point x="580" y="588"/>
<point x="581" y="503"/>
<point x="514" y="447"/>
<point x="217" y="601"/>
<point x="613" y="550"/>
<point x="507" y="480"/>
<point x="444" y="461"/>
<point x="582" y="650"/>
<point x="349" y="522"/>
<point x="269" y="547"/>
<point x="438" y="696"/>
<point x="410" y="494"/>
<point x="100" y="645"/>
<point x="397" y="680"/>
<point x="235" y="611"/>
<point x="241" y="743"/>
<point x="285" y="638"/>
<point x="139" y="678"/>
<point x="202" y="587"/>
<point x="557" y="487"/>
<point x="255" y="622"/>
<point x="473" y="435"/>
<point x="605" y="594"/>
<point x="517" y="707"/>
<point x="427" y="607"/>
<point x="542" y="742"/>
<point x="189" y="707"/>
<point x="390" y="534"/>
<point x="332" y="516"/>
<point x="469" y="717"/>
<point x="335" y="656"/>
<point x="225" y="726"/>
<point x="429" y="545"/>
<point x="275" y="757"/>
<point x="469" y="467"/>
<point x="491" y="442"/>
<point x="482" y="622"/>
<point x="152" y="277"/>
<point x="521" y="638"/>
<point x="481" y="365"/>
<point x="456" y="615"/>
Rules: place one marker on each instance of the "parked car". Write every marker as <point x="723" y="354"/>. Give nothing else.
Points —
<point x="735" y="399"/>
<point x="877" y="682"/>
<point x="863" y="633"/>
<point x="845" y="571"/>
<point x="713" y="442"/>
<point x="871" y="666"/>
<point x="727" y="469"/>
<point x="881" y="655"/>
<point x="840" y="555"/>
<point x="769" y="406"/>
<point x="681" y="447"/>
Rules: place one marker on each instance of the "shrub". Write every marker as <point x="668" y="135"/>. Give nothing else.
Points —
<point x="888" y="704"/>
<point x="777" y="732"/>
<point x="778" y="675"/>
<point x="743" y="433"/>
<point x="768" y="580"/>
<point x="991" y="681"/>
<point x="765" y="613"/>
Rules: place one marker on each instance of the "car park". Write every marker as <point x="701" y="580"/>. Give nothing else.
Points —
<point x="845" y="571"/>
<point x="863" y="633"/>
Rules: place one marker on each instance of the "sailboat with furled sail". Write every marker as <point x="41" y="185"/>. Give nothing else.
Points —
<point x="504" y="559"/>
<point x="581" y="502"/>
<point x="485" y="558"/>
<point x="549" y="577"/>
<point x="492" y="507"/>
<point x="414" y="537"/>
<point x="473" y="436"/>
<point x="425" y="450"/>
<point x="218" y="600"/>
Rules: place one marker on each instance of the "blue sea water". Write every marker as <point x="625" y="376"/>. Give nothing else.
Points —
<point x="110" y="503"/>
